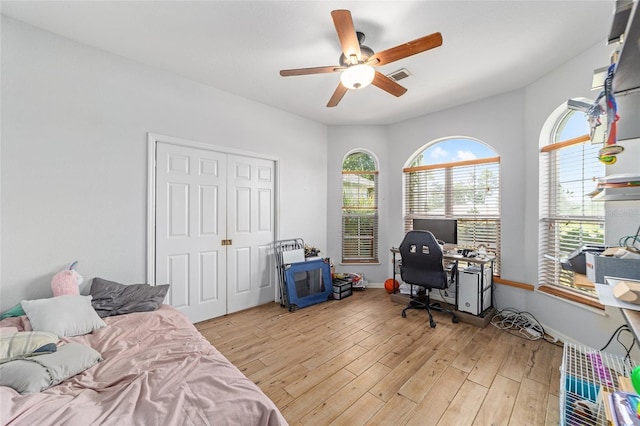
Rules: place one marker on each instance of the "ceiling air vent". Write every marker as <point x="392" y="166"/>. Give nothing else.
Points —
<point x="399" y="75"/>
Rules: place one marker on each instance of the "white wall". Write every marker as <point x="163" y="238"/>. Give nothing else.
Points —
<point x="74" y="168"/>
<point x="497" y="121"/>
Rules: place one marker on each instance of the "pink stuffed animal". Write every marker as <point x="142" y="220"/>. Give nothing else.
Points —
<point x="66" y="282"/>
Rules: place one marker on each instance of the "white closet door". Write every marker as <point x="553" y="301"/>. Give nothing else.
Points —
<point x="250" y="226"/>
<point x="191" y="187"/>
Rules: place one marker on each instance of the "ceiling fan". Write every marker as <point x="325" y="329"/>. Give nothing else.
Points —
<point x="357" y="60"/>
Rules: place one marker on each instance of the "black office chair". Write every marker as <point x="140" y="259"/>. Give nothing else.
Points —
<point x="421" y="265"/>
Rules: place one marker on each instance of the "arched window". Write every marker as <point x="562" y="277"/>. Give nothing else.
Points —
<point x="569" y="219"/>
<point x="359" y="208"/>
<point x="457" y="178"/>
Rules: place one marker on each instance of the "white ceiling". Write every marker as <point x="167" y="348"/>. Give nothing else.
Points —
<point x="489" y="47"/>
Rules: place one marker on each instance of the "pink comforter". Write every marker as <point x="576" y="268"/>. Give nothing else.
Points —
<point x="157" y="370"/>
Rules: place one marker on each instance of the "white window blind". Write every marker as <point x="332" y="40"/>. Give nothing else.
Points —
<point x="569" y="218"/>
<point x="466" y="190"/>
<point x="359" y="216"/>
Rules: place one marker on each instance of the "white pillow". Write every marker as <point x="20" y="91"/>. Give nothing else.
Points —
<point x="40" y="372"/>
<point x="8" y="331"/>
<point x="70" y="315"/>
<point x="24" y="343"/>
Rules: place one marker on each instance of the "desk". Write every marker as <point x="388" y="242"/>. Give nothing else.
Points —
<point x="482" y="264"/>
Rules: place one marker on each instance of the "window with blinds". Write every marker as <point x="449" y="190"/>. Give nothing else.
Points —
<point x="569" y="219"/>
<point x="467" y="190"/>
<point x="359" y="209"/>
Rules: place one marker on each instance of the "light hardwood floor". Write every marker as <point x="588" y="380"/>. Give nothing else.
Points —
<point x="356" y="361"/>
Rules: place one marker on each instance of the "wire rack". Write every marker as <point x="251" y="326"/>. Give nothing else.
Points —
<point x="587" y="376"/>
<point x="280" y="247"/>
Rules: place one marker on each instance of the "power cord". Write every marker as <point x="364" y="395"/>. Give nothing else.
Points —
<point x="521" y="324"/>
<point x="616" y="334"/>
<point x="630" y="241"/>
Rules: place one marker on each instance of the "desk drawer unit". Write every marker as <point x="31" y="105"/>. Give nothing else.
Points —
<point x="474" y="290"/>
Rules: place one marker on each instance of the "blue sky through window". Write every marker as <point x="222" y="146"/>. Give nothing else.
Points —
<point x="452" y="150"/>
<point x="573" y="125"/>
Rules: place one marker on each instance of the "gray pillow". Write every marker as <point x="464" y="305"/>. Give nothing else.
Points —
<point x="112" y="298"/>
<point x="38" y="373"/>
<point x="68" y="315"/>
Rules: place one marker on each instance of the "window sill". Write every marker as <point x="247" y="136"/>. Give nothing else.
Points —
<point x="361" y="263"/>
<point x="571" y="297"/>
<point x="523" y="286"/>
<point x="565" y="295"/>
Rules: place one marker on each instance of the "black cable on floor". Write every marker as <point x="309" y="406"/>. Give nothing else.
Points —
<point x="616" y="334"/>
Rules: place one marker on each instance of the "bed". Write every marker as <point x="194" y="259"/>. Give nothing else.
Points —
<point x="155" y="369"/>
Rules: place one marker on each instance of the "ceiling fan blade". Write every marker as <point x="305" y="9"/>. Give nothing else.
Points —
<point x="385" y="83"/>
<point x="405" y="50"/>
<point x="313" y="70"/>
<point x="337" y="95"/>
<point x="346" y="33"/>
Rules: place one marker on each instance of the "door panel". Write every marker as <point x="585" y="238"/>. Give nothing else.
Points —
<point x="243" y="269"/>
<point x="243" y="209"/>
<point x="190" y="224"/>
<point x="202" y="198"/>
<point x="209" y="210"/>
<point x="251" y="229"/>
<point x="210" y="273"/>
<point x="179" y="211"/>
<point x="265" y="265"/>
<point x="178" y="273"/>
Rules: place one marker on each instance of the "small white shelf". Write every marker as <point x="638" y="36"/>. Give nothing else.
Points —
<point x="621" y="193"/>
<point x="618" y="194"/>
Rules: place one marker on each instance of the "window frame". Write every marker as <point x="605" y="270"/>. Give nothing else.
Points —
<point x="472" y="228"/>
<point x="360" y="221"/>
<point x="557" y="228"/>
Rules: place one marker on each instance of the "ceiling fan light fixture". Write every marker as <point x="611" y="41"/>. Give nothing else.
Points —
<point x="357" y="60"/>
<point x="357" y="76"/>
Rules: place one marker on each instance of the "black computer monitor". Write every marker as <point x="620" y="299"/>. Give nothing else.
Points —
<point x="445" y="230"/>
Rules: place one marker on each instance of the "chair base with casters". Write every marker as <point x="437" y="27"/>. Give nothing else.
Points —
<point x="422" y="301"/>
